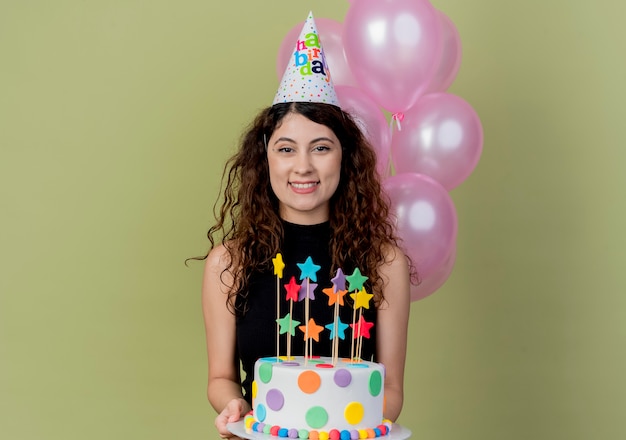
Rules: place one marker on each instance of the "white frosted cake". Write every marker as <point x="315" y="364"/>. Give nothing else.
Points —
<point x="312" y="398"/>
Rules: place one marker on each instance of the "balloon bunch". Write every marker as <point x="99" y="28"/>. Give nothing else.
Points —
<point x="401" y="56"/>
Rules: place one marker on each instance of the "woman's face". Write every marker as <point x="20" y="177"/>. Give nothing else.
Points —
<point x="305" y="166"/>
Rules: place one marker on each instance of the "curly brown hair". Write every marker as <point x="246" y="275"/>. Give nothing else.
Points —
<point x="248" y="222"/>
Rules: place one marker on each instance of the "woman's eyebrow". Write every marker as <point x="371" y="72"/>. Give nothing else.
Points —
<point x="284" y="139"/>
<point x="320" y="139"/>
<point x="314" y="141"/>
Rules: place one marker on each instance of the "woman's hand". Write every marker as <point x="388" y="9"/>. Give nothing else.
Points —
<point x="392" y="327"/>
<point x="224" y="383"/>
<point x="233" y="412"/>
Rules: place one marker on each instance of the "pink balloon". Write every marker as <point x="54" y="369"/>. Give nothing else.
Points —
<point x="425" y="218"/>
<point x="441" y="137"/>
<point x="330" y="32"/>
<point x="451" y="55"/>
<point x="393" y="48"/>
<point x="432" y="283"/>
<point x="371" y="120"/>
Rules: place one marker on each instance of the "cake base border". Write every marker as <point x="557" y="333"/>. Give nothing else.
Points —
<point x="397" y="432"/>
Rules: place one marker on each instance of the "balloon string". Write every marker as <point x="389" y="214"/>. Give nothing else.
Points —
<point x="398" y="118"/>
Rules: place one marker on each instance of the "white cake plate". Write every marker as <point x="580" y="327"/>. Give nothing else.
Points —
<point x="239" y="429"/>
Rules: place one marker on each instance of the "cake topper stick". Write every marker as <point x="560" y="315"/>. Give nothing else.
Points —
<point x="292" y="289"/>
<point x="337" y="328"/>
<point x="355" y="282"/>
<point x="307" y="293"/>
<point x="306" y="319"/>
<point x="312" y="331"/>
<point x="362" y="330"/>
<point x="360" y="339"/>
<point x="354" y="329"/>
<point x="308" y="272"/>
<point x="335" y="332"/>
<point x="289" y="337"/>
<point x="335" y="296"/>
<point x="359" y="344"/>
<point x="279" y="265"/>
<point x="361" y="300"/>
<point x="288" y="325"/>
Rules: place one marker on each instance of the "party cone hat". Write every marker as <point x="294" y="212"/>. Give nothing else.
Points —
<point x="307" y="78"/>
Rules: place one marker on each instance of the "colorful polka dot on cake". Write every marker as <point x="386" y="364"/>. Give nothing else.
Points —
<point x="265" y="372"/>
<point x="354" y="413"/>
<point x="275" y="399"/>
<point x="309" y="381"/>
<point x="342" y="377"/>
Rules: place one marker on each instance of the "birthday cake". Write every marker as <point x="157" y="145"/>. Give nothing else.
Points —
<point x="314" y="397"/>
<point x="318" y="398"/>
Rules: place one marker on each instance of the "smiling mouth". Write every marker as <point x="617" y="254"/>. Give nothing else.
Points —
<point x="304" y="185"/>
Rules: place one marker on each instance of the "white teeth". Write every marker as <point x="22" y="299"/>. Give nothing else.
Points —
<point x="303" y="185"/>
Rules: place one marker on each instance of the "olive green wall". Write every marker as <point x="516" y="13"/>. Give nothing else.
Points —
<point x="115" y="119"/>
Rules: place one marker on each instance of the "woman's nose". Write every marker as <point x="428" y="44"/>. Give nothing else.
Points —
<point x="303" y="163"/>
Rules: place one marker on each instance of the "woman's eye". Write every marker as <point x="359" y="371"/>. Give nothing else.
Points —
<point x="321" y="148"/>
<point x="285" y="150"/>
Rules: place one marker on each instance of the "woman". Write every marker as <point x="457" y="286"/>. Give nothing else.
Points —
<point x="303" y="183"/>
